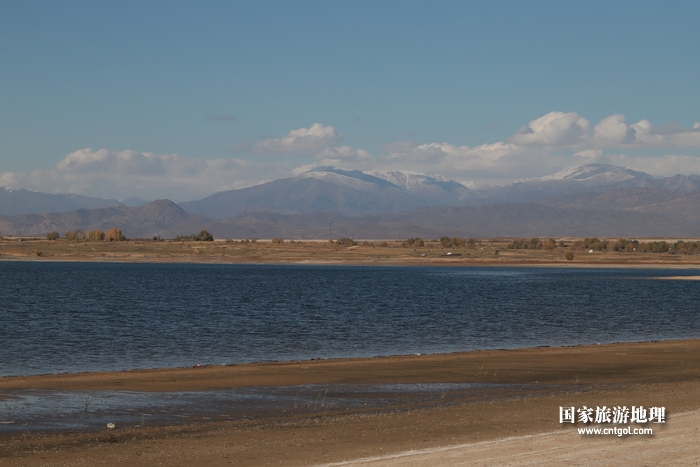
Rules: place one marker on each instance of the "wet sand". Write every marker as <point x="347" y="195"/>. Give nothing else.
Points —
<point x="488" y="428"/>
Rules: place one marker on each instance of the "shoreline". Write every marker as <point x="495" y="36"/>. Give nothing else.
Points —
<point x="447" y="263"/>
<point x="102" y="378"/>
<point x="535" y="383"/>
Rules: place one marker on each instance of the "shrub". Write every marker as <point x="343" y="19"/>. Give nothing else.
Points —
<point x="346" y="242"/>
<point x="382" y="244"/>
<point x="115" y="235"/>
<point x="95" y="236"/>
<point x="594" y="243"/>
<point x="682" y="247"/>
<point x="526" y="244"/>
<point x="569" y="255"/>
<point x="656" y="247"/>
<point x="75" y="236"/>
<point x="456" y="242"/>
<point x="414" y="242"/>
<point x="52" y="235"/>
<point x="277" y="240"/>
<point x="205" y="236"/>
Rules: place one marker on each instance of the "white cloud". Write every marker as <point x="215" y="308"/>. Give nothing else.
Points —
<point x="304" y="141"/>
<point x="669" y="136"/>
<point x="550" y="143"/>
<point x="570" y="130"/>
<point x="553" y="129"/>
<point x="344" y="154"/>
<point x="121" y="174"/>
<point x="613" y="130"/>
<point x="493" y="163"/>
<point x="303" y="168"/>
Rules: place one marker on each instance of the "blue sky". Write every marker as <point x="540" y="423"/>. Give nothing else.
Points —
<point x="181" y="99"/>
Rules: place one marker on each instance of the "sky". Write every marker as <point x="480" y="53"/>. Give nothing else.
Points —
<point x="178" y="100"/>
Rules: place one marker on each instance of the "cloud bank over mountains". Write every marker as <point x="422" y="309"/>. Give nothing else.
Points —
<point x="552" y="142"/>
<point x="557" y="140"/>
<point x="123" y="174"/>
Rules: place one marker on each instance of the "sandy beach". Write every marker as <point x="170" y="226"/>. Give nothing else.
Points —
<point x="516" y="419"/>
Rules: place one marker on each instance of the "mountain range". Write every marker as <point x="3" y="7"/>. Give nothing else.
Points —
<point x="594" y="199"/>
<point x="21" y="201"/>
<point x="329" y="189"/>
<point x="355" y="193"/>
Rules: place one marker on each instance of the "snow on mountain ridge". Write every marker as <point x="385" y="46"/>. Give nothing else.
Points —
<point x="433" y="189"/>
<point x="11" y="189"/>
<point x="477" y="186"/>
<point x="399" y="178"/>
<point x="396" y="178"/>
<point x="596" y="172"/>
<point x="410" y="180"/>
<point x="351" y="178"/>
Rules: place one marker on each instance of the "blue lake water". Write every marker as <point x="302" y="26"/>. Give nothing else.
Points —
<point x="72" y="317"/>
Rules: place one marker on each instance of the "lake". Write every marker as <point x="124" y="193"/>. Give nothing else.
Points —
<point x="72" y="317"/>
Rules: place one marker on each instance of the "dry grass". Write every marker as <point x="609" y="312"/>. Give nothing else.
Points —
<point x="486" y="252"/>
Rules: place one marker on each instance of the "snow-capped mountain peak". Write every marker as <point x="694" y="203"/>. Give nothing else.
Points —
<point x="410" y="179"/>
<point x="353" y="178"/>
<point x="597" y="173"/>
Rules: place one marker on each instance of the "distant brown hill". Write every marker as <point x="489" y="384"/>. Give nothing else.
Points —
<point x="680" y="208"/>
<point x="674" y="217"/>
<point x="14" y="201"/>
<point x="162" y="217"/>
<point x="501" y="220"/>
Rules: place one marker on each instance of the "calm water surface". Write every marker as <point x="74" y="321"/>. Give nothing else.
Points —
<point x="72" y="317"/>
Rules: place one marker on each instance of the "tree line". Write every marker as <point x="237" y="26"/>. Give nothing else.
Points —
<point x="533" y="244"/>
<point x="112" y="235"/>
<point x="203" y="236"/>
<point x="623" y="245"/>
